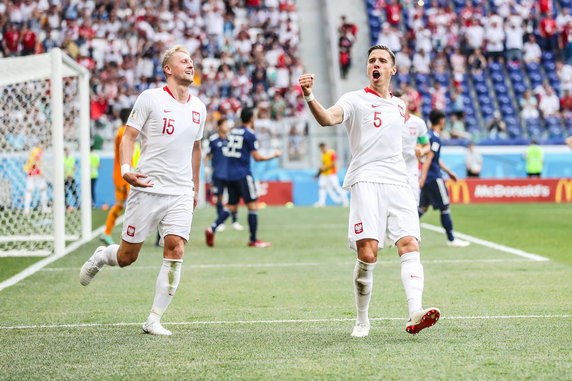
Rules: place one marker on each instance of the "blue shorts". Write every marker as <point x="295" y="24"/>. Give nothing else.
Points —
<point x="218" y="186"/>
<point x="244" y="188"/>
<point x="435" y="194"/>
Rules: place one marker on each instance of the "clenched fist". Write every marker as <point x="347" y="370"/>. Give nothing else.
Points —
<point x="307" y="82"/>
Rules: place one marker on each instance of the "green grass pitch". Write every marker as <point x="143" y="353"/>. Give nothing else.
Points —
<point x="286" y="312"/>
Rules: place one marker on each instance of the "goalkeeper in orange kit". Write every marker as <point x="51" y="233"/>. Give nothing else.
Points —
<point x="121" y="186"/>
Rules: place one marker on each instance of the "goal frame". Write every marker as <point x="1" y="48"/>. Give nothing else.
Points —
<point x="55" y="66"/>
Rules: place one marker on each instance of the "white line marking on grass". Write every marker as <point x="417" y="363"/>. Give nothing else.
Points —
<point x="52" y="258"/>
<point x="333" y="320"/>
<point x="297" y="264"/>
<point x="492" y="245"/>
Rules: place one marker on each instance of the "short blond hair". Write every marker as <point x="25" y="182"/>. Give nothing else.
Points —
<point x="169" y="53"/>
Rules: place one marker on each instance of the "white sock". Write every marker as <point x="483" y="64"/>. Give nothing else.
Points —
<point x="27" y="201"/>
<point x="108" y="256"/>
<point x="363" y="285"/>
<point x="322" y="196"/>
<point x="167" y="282"/>
<point x="44" y="200"/>
<point x="412" y="278"/>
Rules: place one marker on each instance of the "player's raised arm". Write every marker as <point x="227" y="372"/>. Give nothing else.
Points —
<point x="126" y="154"/>
<point x="330" y="117"/>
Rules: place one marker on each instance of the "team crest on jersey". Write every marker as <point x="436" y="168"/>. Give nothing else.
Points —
<point x="196" y="117"/>
<point x="358" y="228"/>
<point x="131" y="231"/>
<point x="401" y="111"/>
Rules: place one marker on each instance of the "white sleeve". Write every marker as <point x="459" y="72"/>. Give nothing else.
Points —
<point x="345" y="102"/>
<point x="421" y="128"/>
<point x="140" y="112"/>
<point x="202" y="126"/>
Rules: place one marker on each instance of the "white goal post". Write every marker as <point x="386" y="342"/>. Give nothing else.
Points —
<point x="44" y="109"/>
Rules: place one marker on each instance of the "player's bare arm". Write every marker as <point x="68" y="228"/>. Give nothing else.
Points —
<point x="422" y="150"/>
<point x="569" y="142"/>
<point x="330" y="117"/>
<point x="258" y="157"/>
<point x="425" y="168"/>
<point x="126" y="153"/>
<point x="196" y="164"/>
<point x="447" y="170"/>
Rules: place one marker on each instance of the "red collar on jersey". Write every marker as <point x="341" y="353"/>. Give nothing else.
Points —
<point x="368" y="90"/>
<point x="171" y="94"/>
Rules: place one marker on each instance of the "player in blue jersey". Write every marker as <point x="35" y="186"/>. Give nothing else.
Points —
<point x="433" y="189"/>
<point x="242" y="144"/>
<point x="219" y="164"/>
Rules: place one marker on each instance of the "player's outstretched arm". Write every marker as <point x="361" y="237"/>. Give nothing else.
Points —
<point x="125" y="154"/>
<point x="258" y="157"/>
<point x="330" y="117"/>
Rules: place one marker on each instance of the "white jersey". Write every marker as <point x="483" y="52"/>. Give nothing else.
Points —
<point x="374" y="126"/>
<point x="168" y="131"/>
<point x="415" y="128"/>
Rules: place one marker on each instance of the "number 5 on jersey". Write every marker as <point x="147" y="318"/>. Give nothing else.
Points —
<point x="377" y="119"/>
<point x="168" y="126"/>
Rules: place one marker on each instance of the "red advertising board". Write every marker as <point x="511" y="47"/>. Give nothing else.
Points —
<point x="269" y="192"/>
<point x="469" y="191"/>
<point x="275" y="192"/>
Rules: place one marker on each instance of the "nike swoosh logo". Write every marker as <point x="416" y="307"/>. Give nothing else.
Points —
<point x="374" y="106"/>
<point x="414" y="276"/>
<point x="166" y="111"/>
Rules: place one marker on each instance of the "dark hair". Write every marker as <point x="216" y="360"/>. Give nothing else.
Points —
<point x="382" y="47"/>
<point x="246" y="115"/>
<point x="221" y="121"/>
<point x="398" y="93"/>
<point x="124" y="114"/>
<point x="435" y="116"/>
<point x="322" y="144"/>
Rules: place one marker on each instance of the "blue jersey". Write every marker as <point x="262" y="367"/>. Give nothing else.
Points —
<point x="241" y="143"/>
<point x="219" y="162"/>
<point x="434" y="171"/>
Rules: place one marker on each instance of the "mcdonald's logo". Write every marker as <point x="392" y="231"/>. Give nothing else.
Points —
<point x="564" y="190"/>
<point x="458" y="191"/>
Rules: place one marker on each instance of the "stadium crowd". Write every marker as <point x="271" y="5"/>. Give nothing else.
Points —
<point x="458" y="38"/>
<point x="245" y="52"/>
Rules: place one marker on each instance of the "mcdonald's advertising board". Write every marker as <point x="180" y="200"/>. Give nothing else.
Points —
<point x="470" y="191"/>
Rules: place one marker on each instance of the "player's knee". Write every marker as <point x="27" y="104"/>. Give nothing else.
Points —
<point x="125" y="258"/>
<point x="174" y="247"/>
<point x="445" y="210"/>
<point x="407" y="245"/>
<point x="367" y="250"/>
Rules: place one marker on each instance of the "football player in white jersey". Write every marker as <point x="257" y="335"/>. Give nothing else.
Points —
<point x="415" y="145"/>
<point x="381" y="201"/>
<point x="165" y="184"/>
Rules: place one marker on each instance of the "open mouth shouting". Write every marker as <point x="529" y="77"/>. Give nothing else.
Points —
<point x="376" y="74"/>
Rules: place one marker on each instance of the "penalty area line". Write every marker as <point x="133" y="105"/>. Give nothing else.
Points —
<point x="492" y="245"/>
<point x="286" y="321"/>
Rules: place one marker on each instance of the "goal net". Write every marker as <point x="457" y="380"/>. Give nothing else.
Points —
<point x="45" y="197"/>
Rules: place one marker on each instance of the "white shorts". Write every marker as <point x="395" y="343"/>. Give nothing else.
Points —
<point x="329" y="181"/>
<point x="147" y="211"/>
<point x="414" y="185"/>
<point x="377" y="209"/>
<point x="36" y="182"/>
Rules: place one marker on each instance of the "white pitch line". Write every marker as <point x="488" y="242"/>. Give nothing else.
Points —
<point x="297" y="264"/>
<point x="52" y="258"/>
<point x="492" y="245"/>
<point x="226" y="322"/>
